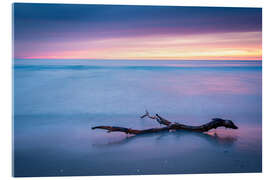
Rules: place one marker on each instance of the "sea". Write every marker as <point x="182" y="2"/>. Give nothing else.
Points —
<point x="57" y="102"/>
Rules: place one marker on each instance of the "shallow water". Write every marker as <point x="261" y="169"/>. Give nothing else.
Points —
<point x="56" y="102"/>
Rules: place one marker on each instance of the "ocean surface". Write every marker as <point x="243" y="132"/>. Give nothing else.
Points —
<point x="56" y="102"/>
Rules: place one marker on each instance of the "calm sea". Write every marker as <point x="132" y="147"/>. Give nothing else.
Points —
<point x="56" y="102"/>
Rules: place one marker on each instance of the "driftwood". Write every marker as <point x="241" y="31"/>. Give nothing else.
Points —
<point x="215" y="123"/>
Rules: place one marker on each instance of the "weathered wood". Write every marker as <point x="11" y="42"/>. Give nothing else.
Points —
<point x="215" y="123"/>
<point x="159" y="119"/>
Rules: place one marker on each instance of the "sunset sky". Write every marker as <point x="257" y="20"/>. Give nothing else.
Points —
<point x="47" y="31"/>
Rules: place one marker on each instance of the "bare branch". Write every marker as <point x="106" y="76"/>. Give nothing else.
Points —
<point x="215" y="123"/>
<point x="158" y="118"/>
<point x="148" y="115"/>
<point x="163" y="120"/>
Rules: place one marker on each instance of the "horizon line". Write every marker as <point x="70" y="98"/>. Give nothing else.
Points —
<point x="139" y="59"/>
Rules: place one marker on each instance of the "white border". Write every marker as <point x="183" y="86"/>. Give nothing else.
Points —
<point x="6" y="79"/>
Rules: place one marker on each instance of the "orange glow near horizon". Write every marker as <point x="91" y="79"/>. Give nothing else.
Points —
<point x="214" y="46"/>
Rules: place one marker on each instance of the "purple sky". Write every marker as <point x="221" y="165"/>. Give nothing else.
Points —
<point x="60" y="31"/>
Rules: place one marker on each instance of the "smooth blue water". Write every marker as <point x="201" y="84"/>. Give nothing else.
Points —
<point x="56" y="102"/>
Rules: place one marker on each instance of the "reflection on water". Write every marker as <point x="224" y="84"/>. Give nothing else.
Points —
<point x="55" y="107"/>
<point x="211" y="137"/>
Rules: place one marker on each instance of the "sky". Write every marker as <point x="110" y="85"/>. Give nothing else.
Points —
<point x="62" y="31"/>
